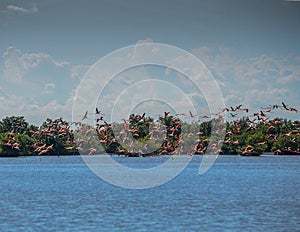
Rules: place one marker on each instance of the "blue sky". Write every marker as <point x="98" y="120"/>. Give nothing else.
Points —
<point x="251" y="47"/>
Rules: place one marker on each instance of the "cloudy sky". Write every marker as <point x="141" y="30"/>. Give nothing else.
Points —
<point x="250" y="47"/>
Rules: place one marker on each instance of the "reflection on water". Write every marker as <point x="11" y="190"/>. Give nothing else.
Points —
<point x="237" y="193"/>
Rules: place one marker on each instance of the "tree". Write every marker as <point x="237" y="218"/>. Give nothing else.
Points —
<point x="258" y="142"/>
<point x="57" y="136"/>
<point x="16" y="137"/>
<point x="14" y="124"/>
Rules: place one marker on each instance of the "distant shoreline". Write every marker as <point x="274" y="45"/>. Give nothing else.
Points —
<point x="147" y="156"/>
<point x="143" y="136"/>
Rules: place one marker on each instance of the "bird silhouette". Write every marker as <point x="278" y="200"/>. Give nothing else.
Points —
<point x="84" y="116"/>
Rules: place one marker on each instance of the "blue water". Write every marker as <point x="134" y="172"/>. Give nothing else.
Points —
<point x="236" y="194"/>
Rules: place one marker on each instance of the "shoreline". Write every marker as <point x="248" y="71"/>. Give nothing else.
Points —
<point x="150" y="156"/>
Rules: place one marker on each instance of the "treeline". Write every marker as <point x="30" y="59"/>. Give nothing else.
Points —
<point x="141" y="136"/>
<point x="18" y="138"/>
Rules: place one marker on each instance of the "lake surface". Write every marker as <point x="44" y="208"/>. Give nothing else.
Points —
<point x="236" y="194"/>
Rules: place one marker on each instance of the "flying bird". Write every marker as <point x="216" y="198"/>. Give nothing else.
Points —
<point x="192" y="115"/>
<point x="284" y="106"/>
<point x="84" y="116"/>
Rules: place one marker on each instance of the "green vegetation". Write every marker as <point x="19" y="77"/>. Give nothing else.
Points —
<point x="141" y="136"/>
<point x="18" y="138"/>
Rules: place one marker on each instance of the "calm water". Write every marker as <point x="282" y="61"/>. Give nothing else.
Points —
<point x="236" y="194"/>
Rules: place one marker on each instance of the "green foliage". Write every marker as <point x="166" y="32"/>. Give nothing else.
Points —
<point x="15" y="137"/>
<point x="257" y="141"/>
<point x="205" y="128"/>
<point x="143" y="136"/>
<point x="56" y="136"/>
<point x="14" y="124"/>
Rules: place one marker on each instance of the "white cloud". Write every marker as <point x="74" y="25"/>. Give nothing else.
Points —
<point x="23" y="10"/>
<point x="78" y="71"/>
<point x="17" y="64"/>
<point x="290" y="73"/>
<point x="254" y="81"/>
<point x="34" y="113"/>
<point x="48" y="88"/>
<point x="143" y="41"/>
<point x="35" y="85"/>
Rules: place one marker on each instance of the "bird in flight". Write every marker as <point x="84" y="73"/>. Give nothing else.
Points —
<point x="98" y="111"/>
<point x="84" y="116"/>
<point x="192" y="115"/>
<point x="286" y="107"/>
